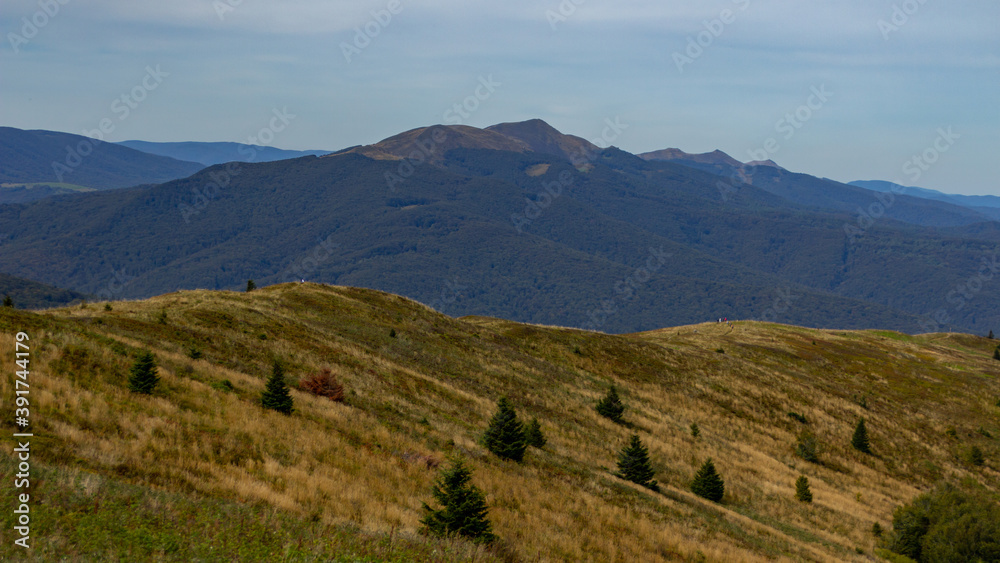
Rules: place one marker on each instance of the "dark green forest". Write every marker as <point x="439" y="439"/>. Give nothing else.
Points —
<point x="617" y="244"/>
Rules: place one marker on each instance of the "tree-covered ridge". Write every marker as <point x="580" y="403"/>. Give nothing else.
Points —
<point x="621" y="245"/>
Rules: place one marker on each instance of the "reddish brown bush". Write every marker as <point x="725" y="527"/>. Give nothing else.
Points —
<point x="324" y="384"/>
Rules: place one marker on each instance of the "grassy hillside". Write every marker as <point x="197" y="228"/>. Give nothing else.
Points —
<point x="116" y="472"/>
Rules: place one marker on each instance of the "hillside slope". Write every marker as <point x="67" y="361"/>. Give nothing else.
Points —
<point x="28" y="294"/>
<point x="442" y="215"/>
<point x="208" y="153"/>
<point x="347" y="480"/>
<point x="545" y="139"/>
<point x="445" y="239"/>
<point x="52" y="157"/>
<point x="823" y="193"/>
<point x="988" y="205"/>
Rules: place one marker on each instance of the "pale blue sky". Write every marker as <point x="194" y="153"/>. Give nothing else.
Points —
<point x="890" y="90"/>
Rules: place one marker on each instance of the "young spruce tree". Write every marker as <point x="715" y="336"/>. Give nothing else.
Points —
<point x="463" y="509"/>
<point x="251" y="285"/>
<point x="7" y="301"/>
<point x="276" y="395"/>
<point x="802" y="491"/>
<point x="505" y="436"/>
<point x="860" y="439"/>
<point x="533" y="434"/>
<point x="808" y="447"/>
<point x="708" y="484"/>
<point x="976" y="456"/>
<point x="142" y="376"/>
<point x="611" y="406"/>
<point x="634" y="465"/>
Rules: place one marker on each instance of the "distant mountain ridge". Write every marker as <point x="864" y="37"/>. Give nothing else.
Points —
<point x="985" y="204"/>
<point x="715" y="157"/>
<point x="209" y="153"/>
<point x="28" y="294"/>
<point x="958" y="199"/>
<point x="507" y="221"/>
<point x="51" y="157"/>
<point x="821" y="193"/>
<point x="483" y="223"/>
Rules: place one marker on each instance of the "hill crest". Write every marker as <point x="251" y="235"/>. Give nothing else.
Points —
<point x="421" y="386"/>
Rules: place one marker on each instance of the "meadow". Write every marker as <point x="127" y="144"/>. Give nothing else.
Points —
<point x="199" y="471"/>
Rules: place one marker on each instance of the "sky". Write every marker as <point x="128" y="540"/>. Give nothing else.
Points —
<point x="904" y="91"/>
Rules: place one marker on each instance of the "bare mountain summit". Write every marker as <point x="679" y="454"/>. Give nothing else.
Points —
<point x="544" y="138"/>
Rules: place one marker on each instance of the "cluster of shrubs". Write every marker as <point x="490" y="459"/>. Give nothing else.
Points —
<point x="143" y="378"/>
<point x="463" y="508"/>
<point x="947" y="524"/>
<point x="464" y="511"/>
<point x="633" y="460"/>
<point x="808" y="445"/>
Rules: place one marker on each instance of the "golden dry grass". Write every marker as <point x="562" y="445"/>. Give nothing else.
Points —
<point x="427" y="393"/>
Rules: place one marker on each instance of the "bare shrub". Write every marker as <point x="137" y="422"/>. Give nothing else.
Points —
<point x="324" y="384"/>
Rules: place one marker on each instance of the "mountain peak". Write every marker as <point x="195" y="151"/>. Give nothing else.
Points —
<point x="714" y="157"/>
<point x="544" y="138"/>
<point x="536" y="125"/>
<point x="433" y="142"/>
<point x="767" y="162"/>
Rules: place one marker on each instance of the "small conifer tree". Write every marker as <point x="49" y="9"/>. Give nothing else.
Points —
<point x="990" y="335"/>
<point x="808" y="447"/>
<point x="276" y="395"/>
<point x="142" y="376"/>
<point x="996" y="352"/>
<point x="7" y="301"/>
<point x="634" y="465"/>
<point x="505" y="435"/>
<point x="463" y="509"/>
<point x="976" y="456"/>
<point x="860" y="439"/>
<point x="695" y="431"/>
<point x="251" y="286"/>
<point x="707" y="483"/>
<point x="802" y="491"/>
<point x="611" y="406"/>
<point x="533" y="434"/>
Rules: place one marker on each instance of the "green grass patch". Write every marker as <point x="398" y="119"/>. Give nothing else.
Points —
<point x="77" y="515"/>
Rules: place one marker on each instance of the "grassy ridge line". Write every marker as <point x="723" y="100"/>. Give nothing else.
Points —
<point x="426" y="394"/>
